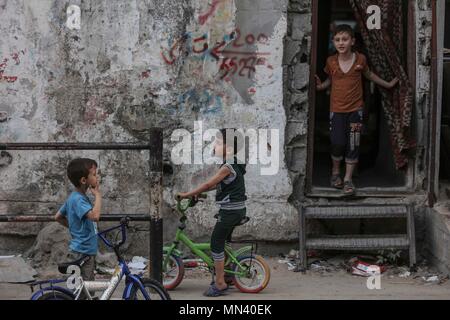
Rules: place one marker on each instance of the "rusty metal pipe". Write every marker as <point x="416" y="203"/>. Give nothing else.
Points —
<point x="50" y="218"/>
<point x="155" y="146"/>
<point x="73" y="146"/>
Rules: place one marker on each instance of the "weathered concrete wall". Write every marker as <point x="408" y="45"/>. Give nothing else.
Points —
<point x="143" y="63"/>
<point x="134" y="65"/>
<point x="423" y="90"/>
<point x="438" y="237"/>
<point x="296" y="65"/>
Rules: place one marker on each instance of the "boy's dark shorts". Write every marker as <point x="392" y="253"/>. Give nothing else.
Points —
<point x="223" y="229"/>
<point x="87" y="269"/>
<point x="345" y="134"/>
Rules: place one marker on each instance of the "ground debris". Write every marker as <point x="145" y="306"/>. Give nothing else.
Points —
<point x="363" y="265"/>
<point x="14" y="269"/>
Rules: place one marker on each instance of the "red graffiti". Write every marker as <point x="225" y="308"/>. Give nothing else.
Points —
<point x="199" y="46"/>
<point x="145" y="74"/>
<point x="205" y="45"/>
<point x="15" y="57"/>
<point x="179" y="44"/>
<point x="4" y="65"/>
<point x="238" y="60"/>
<point x="250" y="39"/>
<point x="243" y="67"/>
<point x="217" y="50"/>
<point x="9" y="79"/>
<point x="243" y="62"/>
<point x="212" y="9"/>
<point x="93" y="112"/>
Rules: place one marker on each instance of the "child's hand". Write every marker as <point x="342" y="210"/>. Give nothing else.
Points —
<point x="393" y="83"/>
<point x="181" y="195"/>
<point x="96" y="190"/>
<point x="185" y="195"/>
<point x="318" y="82"/>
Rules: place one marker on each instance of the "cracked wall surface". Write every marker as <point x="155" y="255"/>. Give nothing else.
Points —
<point x="144" y="63"/>
<point x="134" y="65"/>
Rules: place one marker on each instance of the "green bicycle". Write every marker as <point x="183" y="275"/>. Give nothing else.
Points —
<point x="246" y="270"/>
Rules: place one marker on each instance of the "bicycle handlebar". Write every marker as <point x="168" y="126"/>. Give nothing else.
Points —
<point x="123" y="225"/>
<point x="192" y="201"/>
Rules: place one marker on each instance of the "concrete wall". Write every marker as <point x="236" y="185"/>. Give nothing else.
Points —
<point x="438" y="237"/>
<point x="134" y="65"/>
<point x="143" y="63"/>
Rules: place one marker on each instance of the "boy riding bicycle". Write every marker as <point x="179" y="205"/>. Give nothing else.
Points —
<point x="229" y="183"/>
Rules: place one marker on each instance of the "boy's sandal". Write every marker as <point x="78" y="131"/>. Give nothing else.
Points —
<point x="349" y="188"/>
<point x="336" y="182"/>
<point x="213" y="291"/>
<point x="228" y="280"/>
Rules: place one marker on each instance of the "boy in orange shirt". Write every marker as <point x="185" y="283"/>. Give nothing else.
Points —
<point x="345" y="70"/>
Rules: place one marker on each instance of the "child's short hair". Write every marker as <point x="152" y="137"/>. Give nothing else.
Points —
<point x="79" y="168"/>
<point x="344" y="28"/>
<point x="238" y="139"/>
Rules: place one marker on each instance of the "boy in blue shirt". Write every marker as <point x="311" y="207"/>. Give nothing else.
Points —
<point x="80" y="216"/>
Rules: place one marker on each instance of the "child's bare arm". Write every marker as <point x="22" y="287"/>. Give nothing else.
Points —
<point x="320" y="86"/>
<point x="61" y="219"/>
<point x="375" y="78"/>
<point x="208" y="185"/>
<point x="94" y="214"/>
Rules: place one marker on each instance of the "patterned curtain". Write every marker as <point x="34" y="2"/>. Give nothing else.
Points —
<point x="385" y="49"/>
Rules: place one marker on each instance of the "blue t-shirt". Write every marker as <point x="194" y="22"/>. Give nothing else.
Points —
<point x="83" y="230"/>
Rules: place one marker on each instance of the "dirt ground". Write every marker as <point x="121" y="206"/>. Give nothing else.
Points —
<point x="288" y="285"/>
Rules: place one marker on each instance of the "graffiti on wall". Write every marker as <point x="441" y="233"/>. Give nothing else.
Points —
<point x="241" y="61"/>
<point x="13" y="58"/>
<point x="237" y="61"/>
<point x="145" y="74"/>
<point x="94" y="112"/>
<point x="203" y="100"/>
<point x="203" y="18"/>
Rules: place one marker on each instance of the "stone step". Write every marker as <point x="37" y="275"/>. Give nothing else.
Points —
<point x="356" y="212"/>
<point x="358" y="242"/>
<point x="361" y="241"/>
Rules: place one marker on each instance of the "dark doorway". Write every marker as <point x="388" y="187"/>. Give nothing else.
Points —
<point x="444" y="173"/>
<point x="376" y="168"/>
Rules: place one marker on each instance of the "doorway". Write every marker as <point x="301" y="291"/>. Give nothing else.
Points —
<point x="444" y="172"/>
<point x="376" y="171"/>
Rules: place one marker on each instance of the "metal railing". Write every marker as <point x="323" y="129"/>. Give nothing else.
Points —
<point x="155" y="146"/>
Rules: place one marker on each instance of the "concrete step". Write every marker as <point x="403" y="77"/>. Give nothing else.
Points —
<point x="358" y="242"/>
<point x="356" y="212"/>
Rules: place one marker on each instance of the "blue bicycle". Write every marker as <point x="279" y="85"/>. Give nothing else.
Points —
<point x="136" y="288"/>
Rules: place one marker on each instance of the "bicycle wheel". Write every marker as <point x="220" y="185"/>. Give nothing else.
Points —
<point x="55" y="295"/>
<point x="257" y="274"/>
<point x="153" y="288"/>
<point x="174" y="272"/>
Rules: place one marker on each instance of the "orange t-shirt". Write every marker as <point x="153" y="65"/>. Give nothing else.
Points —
<point x="346" y="88"/>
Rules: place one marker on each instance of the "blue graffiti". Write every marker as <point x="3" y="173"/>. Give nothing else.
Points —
<point x="201" y="101"/>
<point x="198" y="100"/>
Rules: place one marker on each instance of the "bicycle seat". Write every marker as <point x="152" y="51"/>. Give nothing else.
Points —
<point x="62" y="267"/>
<point x="243" y="221"/>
